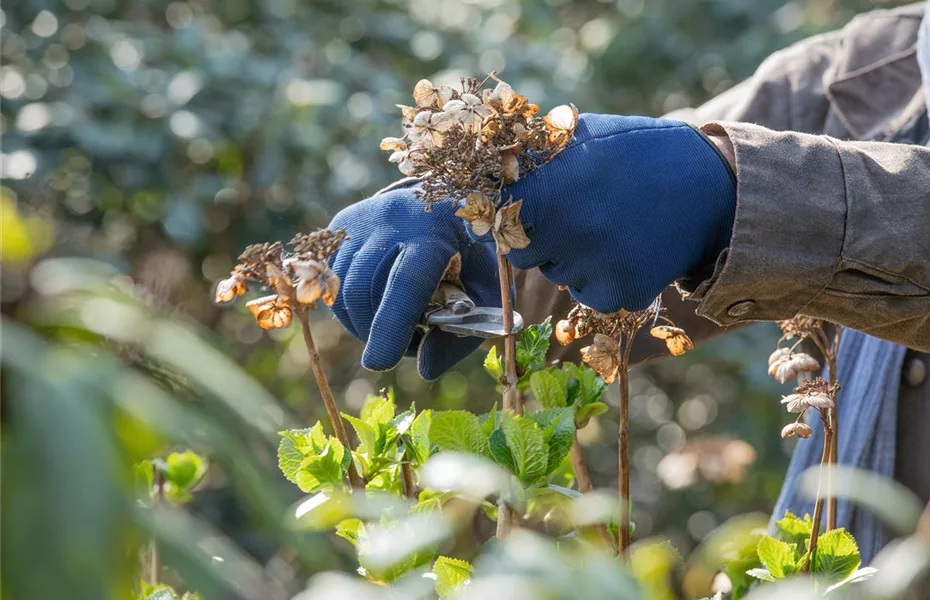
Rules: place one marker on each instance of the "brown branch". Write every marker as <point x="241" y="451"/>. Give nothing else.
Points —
<point x="818" y="506"/>
<point x="511" y="400"/>
<point x="329" y="401"/>
<point x="829" y="354"/>
<point x="410" y="487"/>
<point x="623" y="449"/>
<point x="585" y="486"/>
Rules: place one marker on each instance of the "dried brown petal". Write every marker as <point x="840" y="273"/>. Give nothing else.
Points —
<point x="675" y="338"/>
<point x="786" y="368"/>
<point x="802" y="430"/>
<point x="505" y="100"/>
<point x="603" y="356"/>
<point x="478" y="211"/>
<point x="393" y="144"/>
<point x="307" y="269"/>
<point x="819" y="401"/>
<point x="564" y="332"/>
<point x="230" y="288"/>
<point x="278" y="280"/>
<point x="779" y="354"/>
<point x="510" y="167"/>
<point x="560" y="125"/>
<point x="424" y="94"/>
<point x="508" y="232"/>
<point x="309" y="291"/>
<point x="330" y="287"/>
<point x="794" y="403"/>
<point x="270" y="312"/>
<point x="428" y="128"/>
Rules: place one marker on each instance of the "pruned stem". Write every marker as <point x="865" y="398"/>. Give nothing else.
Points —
<point x="829" y="354"/>
<point x="511" y="397"/>
<point x="410" y="487"/>
<point x="818" y="506"/>
<point x="583" y="477"/>
<point x="623" y="450"/>
<point x="335" y="419"/>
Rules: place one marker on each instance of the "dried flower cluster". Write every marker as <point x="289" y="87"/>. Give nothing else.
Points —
<point x="467" y="143"/>
<point x="604" y="354"/>
<point x="785" y="364"/>
<point x="298" y="278"/>
<point x="817" y="394"/>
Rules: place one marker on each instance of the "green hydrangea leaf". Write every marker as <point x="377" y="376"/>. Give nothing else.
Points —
<point x="351" y="530"/>
<point x="548" y="389"/>
<point x="500" y="451"/>
<point x="793" y="529"/>
<point x="458" y="430"/>
<point x="558" y="425"/>
<point x="588" y="412"/>
<point x="296" y="445"/>
<point x="416" y="438"/>
<point x="532" y="345"/>
<point x="527" y="446"/>
<point x="780" y="558"/>
<point x="366" y="433"/>
<point x="451" y="574"/>
<point x="183" y="471"/>
<point x="323" y="471"/>
<point x="760" y="574"/>
<point x="378" y="409"/>
<point x="836" y="557"/>
<point x="494" y="365"/>
<point x="490" y="421"/>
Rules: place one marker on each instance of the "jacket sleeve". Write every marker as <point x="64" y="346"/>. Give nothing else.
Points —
<point x="827" y="228"/>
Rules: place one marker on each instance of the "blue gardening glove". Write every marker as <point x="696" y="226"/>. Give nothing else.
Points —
<point x="390" y="267"/>
<point x="631" y="206"/>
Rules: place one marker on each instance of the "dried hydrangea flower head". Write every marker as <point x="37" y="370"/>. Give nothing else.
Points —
<point x="298" y="277"/>
<point x="800" y="327"/>
<point x="466" y="142"/>
<point x="816" y="394"/>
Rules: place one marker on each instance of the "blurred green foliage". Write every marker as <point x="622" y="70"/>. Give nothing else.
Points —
<point x="161" y="137"/>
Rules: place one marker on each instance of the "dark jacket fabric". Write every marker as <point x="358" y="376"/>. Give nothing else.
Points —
<point x="833" y="207"/>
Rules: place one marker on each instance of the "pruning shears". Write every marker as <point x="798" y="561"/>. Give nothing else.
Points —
<point x="452" y="310"/>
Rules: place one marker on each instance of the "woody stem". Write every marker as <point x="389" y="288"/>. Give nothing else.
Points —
<point x="583" y="477"/>
<point x="623" y="450"/>
<point x="155" y="563"/>
<point x="818" y="506"/>
<point x="511" y="397"/>
<point x="829" y="355"/>
<point x="316" y="367"/>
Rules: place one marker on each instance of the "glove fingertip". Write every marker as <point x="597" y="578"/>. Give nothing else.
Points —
<point x="440" y="351"/>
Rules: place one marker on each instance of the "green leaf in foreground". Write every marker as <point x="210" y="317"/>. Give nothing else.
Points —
<point x="780" y="558"/>
<point x="793" y="529"/>
<point x="451" y="574"/>
<point x="548" y="389"/>
<point x="458" y="431"/>
<point x="837" y="556"/>
<point x="183" y="471"/>
<point x="760" y="574"/>
<point x="532" y="345"/>
<point x="494" y="365"/>
<point x="519" y="445"/>
<point x="558" y="425"/>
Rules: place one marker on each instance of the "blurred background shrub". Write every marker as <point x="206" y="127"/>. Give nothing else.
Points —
<point x="161" y="137"/>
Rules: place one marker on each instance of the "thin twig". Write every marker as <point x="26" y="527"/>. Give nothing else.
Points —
<point x="329" y="401"/>
<point x="511" y="400"/>
<point x="585" y="486"/>
<point x="623" y="449"/>
<point x="818" y="506"/>
<point x="829" y="354"/>
<point x="410" y="487"/>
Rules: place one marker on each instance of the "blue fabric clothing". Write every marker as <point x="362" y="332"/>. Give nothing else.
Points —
<point x="391" y="265"/>
<point x="624" y="185"/>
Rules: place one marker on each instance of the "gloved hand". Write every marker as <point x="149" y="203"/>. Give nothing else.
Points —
<point x="390" y="267"/>
<point x="631" y="206"/>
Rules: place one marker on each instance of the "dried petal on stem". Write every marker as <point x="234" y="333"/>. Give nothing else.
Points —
<point x="603" y="356"/>
<point x="508" y="232"/>
<point x="479" y="212"/>
<point x="786" y="367"/>
<point x="802" y="430"/>
<point x="230" y="288"/>
<point x="560" y="125"/>
<point x="675" y="339"/>
<point x="271" y="312"/>
<point x="564" y="332"/>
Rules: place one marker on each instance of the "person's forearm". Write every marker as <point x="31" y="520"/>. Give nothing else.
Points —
<point x="832" y="229"/>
